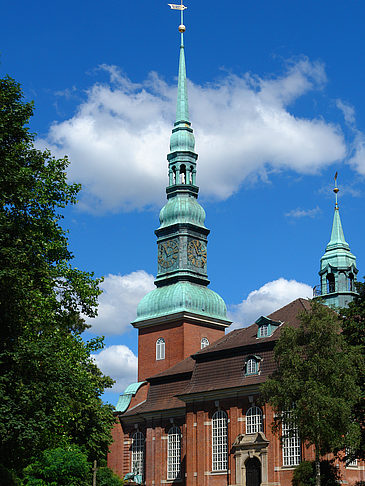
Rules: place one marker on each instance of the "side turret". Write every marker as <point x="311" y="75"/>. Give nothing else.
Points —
<point x="338" y="266"/>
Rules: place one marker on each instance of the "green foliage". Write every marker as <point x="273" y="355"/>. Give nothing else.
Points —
<point x="305" y="475"/>
<point x="8" y="477"/>
<point x="316" y="380"/>
<point x="106" y="477"/>
<point x="59" y="467"/>
<point x="49" y="386"/>
<point x="353" y="325"/>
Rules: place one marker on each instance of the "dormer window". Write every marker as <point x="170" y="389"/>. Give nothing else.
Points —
<point x="252" y="365"/>
<point x="264" y="330"/>
<point x="266" y="326"/>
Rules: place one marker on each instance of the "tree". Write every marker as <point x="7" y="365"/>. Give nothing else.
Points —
<point x="305" y="474"/>
<point x="353" y="326"/>
<point x="59" y="467"/>
<point x="314" y="387"/>
<point x="50" y="388"/>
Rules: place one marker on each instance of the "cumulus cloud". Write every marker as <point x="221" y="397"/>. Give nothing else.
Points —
<point x="119" y="362"/>
<point x="119" y="300"/>
<point x="302" y="213"/>
<point x="268" y="298"/>
<point x="118" y="138"/>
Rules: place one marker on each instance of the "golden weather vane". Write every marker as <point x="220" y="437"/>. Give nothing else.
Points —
<point x="180" y="7"/>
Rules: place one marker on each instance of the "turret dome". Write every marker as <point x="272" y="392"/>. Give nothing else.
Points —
<point x="183" y="209"/>
<point x="179" y="297"/>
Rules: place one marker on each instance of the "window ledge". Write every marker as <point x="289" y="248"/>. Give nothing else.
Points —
<point x="217" y="473"/>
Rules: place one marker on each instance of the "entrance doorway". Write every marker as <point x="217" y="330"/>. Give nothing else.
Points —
<point x="253" y="472"/>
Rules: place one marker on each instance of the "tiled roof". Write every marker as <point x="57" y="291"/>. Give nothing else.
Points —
<point x="248" y="335"/>
<point x="161" y="396"/>
<point x="219" y="366"/>
<point x="184" y="366"/>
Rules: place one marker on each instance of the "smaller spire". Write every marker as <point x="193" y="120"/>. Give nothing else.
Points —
<point x="337" y="236"/>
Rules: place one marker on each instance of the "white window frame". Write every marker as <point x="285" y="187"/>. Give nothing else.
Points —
<point x="254" y="421"/>
<point x="174" y="454"/>
<point x="160" y="349"/>
<point x="264" y="330"/>
<point x="204" y="342"/>
<point x="291" y="445"/>
<point x="251" y="366"/>
<point x="352" y="463"/>
<point x="137" y="464"/>
<point x="219" y="441"/>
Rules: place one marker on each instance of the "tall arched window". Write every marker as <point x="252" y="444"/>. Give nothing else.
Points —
<point x="138" y="453"/>
<point x="290" y="442"/>
<point x="174" y="453"/>
<point x="330" y="283"/>
<point x="219" y="441"/>
<point x="253" y="420"/>
<point x="160" y="349"/>
<point x="204" y="343"/>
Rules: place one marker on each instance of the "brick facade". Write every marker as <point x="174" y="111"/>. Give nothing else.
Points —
<point x="187" y="395"/>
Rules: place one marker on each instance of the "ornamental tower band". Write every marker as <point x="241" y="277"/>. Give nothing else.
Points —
<point x="182" y="314"/>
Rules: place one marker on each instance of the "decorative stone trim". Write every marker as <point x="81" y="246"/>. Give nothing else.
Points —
<point x="249" y="446"/>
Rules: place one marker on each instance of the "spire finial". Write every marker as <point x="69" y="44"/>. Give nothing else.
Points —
<point x="335" y="190"/>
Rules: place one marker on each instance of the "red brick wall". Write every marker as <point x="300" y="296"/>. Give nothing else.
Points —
<point x="197" y="445"/>
<point x="181" y="340"/>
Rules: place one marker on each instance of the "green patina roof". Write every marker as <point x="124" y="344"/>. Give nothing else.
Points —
<point x="179" y="297"/>
<point x="337" y="237"/>
<point x="125" y="399"/>
<point x="182" y="209"/>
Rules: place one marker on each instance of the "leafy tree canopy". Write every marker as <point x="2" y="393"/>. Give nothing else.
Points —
<point x="316" y="380"/>
<point x="59" y="467"/>
<point x="49" y="386"/>
<point x="353" y="326"/>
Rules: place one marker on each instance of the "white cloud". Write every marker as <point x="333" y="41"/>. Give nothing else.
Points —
<point x="302" y="213"/>
<point x="120" y="363"/>
<point x="119" y="300"/>
<point x="267" y="299"/>
<point x="118" y="138"/>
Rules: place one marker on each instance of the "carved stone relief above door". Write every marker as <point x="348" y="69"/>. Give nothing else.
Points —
<point x="250" y="452"/>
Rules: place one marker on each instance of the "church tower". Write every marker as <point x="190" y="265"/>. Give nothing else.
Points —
<point x="182" y="314"/>
<point x="338" y="266"/>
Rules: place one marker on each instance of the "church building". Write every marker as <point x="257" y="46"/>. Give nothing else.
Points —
<point x="194" y="417"/>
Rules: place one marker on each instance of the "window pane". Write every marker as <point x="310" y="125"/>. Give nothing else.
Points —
<point x="174" y="453"/>
<point x="219" y="441"/>
<point x="290" y="444"/>
<point x="253" y="420"/>
<point x="138" y="453"/>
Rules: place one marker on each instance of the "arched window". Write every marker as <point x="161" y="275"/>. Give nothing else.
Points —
<point x="204" y="343"/>
<point x="253" y="420"/>
<point x="160" y="349"/>
<point x="138" y="453"/>
<point x="251" y="366"/>
<point x="290" y="442"/>
<point x="330" y="283"/>
<point x="350" y="282"/>
<point x="174" y="453"/>
<point x="219" y="441"/>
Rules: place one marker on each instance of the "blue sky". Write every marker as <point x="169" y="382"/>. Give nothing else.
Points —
<point x="277" y="106"/>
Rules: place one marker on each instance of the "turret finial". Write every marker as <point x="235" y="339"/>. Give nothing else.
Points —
<point x="335" y="190"/>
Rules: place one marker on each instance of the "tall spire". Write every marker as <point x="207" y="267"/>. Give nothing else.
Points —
<point x="338" y="265"/>
<point x="182" y="109"/>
